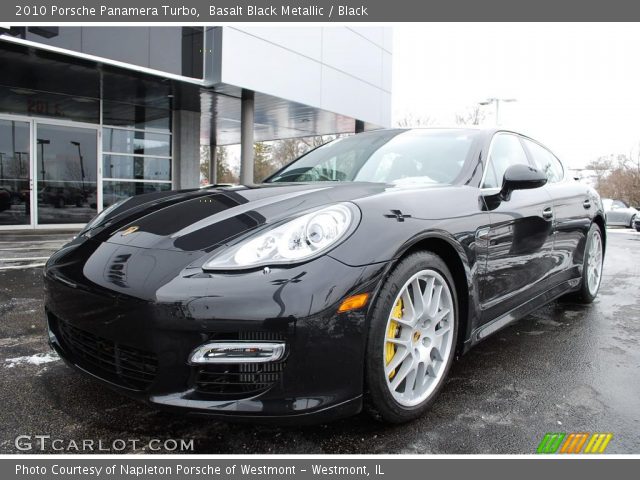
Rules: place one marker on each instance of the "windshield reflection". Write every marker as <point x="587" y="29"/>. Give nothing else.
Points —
<point x="399" y="157"/>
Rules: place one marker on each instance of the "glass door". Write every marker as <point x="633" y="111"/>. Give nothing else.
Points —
<point x="15" y="164"/>
<point x="65" y="172"/>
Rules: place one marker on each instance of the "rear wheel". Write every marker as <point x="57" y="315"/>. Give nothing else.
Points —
<point x="592" y="267"/>
<point x="411" y="338"/>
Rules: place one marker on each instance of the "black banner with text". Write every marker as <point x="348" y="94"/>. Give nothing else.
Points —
<point x="223" y="11"/>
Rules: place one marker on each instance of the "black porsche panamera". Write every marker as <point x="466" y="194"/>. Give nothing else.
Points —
<point x="350" y="278"/>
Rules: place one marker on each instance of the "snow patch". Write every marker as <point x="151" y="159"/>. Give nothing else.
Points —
<point x="37" y="359"/>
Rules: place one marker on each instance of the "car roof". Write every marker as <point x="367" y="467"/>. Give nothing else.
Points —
<point x="488" y="131"/>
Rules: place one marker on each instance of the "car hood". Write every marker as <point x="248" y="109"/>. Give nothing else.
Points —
<point x="201" y="220"/>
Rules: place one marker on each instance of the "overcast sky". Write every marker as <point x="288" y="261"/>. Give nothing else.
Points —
<point x="577" y="85"/>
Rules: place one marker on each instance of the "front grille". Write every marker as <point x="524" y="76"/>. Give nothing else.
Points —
<point x="240" y="380"/>
<point x="120" y="364"/>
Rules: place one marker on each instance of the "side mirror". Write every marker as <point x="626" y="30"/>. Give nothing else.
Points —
<point x="521" y="177"/>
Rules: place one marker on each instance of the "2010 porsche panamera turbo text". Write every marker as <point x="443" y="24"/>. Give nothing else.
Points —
<point x="351" y="277"/>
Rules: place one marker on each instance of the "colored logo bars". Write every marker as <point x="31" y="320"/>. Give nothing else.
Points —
<point x="574" y="442"/>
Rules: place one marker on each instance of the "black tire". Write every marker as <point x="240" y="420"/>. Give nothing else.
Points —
<point x="379" y="401"/>
<point x="584" y="295"/>
<point x="638" y="228"/>
<point x="631" y="221"/>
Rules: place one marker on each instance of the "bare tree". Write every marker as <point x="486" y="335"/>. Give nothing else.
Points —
<point x="286" y="150"/>
<point x="224" y="174"/>
<point x="471" y="116"/>
<point x="617" y="177"/>
<point x="412" y="120"/>
<point x="319" y="140"/>
<point x="263" y="164"/>
<point x="205" y="158"/>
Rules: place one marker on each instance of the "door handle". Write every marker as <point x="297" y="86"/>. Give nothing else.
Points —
<point x="586" y="204"/>
<point x="547" y="213"/>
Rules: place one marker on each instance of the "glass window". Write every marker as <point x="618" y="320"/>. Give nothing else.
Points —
<point x="430" y="156"/>
<point x="114" y="191"/>
<point x="141" y="117"/>
<point x="491" y="178"/>
<point x="506" y="150"/>
<point x="65" y="174"/>
<point x="138" y="168"/>
<point x="135" y="154"/>
<point x="35" y="103"/>
<point x="14" y="173"/>
<point x="545" y="161"/>
<point x="136" y="142"/>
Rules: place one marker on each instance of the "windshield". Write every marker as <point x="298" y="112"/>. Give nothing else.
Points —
<point x="430" y="156"/>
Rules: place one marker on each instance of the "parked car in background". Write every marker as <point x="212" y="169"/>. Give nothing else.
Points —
<point x="59" y="196"/>
<point x="619" y="213"/>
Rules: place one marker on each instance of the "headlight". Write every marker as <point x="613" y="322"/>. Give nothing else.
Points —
<point x="294" y="241"/>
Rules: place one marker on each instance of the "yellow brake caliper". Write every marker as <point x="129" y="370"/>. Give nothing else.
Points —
<point x="392" y="332"/>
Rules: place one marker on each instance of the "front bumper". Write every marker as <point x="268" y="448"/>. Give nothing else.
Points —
<point x="137" y="335"/>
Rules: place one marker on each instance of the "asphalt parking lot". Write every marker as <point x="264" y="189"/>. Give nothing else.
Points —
<point x="566" y="368"/>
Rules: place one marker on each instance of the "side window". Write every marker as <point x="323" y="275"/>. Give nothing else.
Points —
<point x="506" y="150"/>
<point x="545" y="161"/>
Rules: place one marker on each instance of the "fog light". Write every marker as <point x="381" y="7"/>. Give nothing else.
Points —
<point x="238" y="352"/>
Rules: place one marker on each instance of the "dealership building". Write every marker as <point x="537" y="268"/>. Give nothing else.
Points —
<point x="92" y="115"/>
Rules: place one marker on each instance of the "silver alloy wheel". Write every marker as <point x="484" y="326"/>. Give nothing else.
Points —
<point x="594" y="262"/>
<point x="418" y="338"/>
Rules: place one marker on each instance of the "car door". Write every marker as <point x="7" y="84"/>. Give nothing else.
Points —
<point x="619" y="214"/>
<point x="572" y="208"/>
<point x="519" y="242"/>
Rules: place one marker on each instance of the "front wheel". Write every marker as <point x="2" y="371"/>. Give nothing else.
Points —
<point x="592" y="267"/>
<point x="411" y="340"/>
<point x="632" y="221"/>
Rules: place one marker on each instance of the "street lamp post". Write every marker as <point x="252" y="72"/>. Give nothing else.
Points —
<point x="2" y="154"/>
<point x="497" y="102"/>
<point x="77" y="144"/>
<point x="42" y="142"/>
